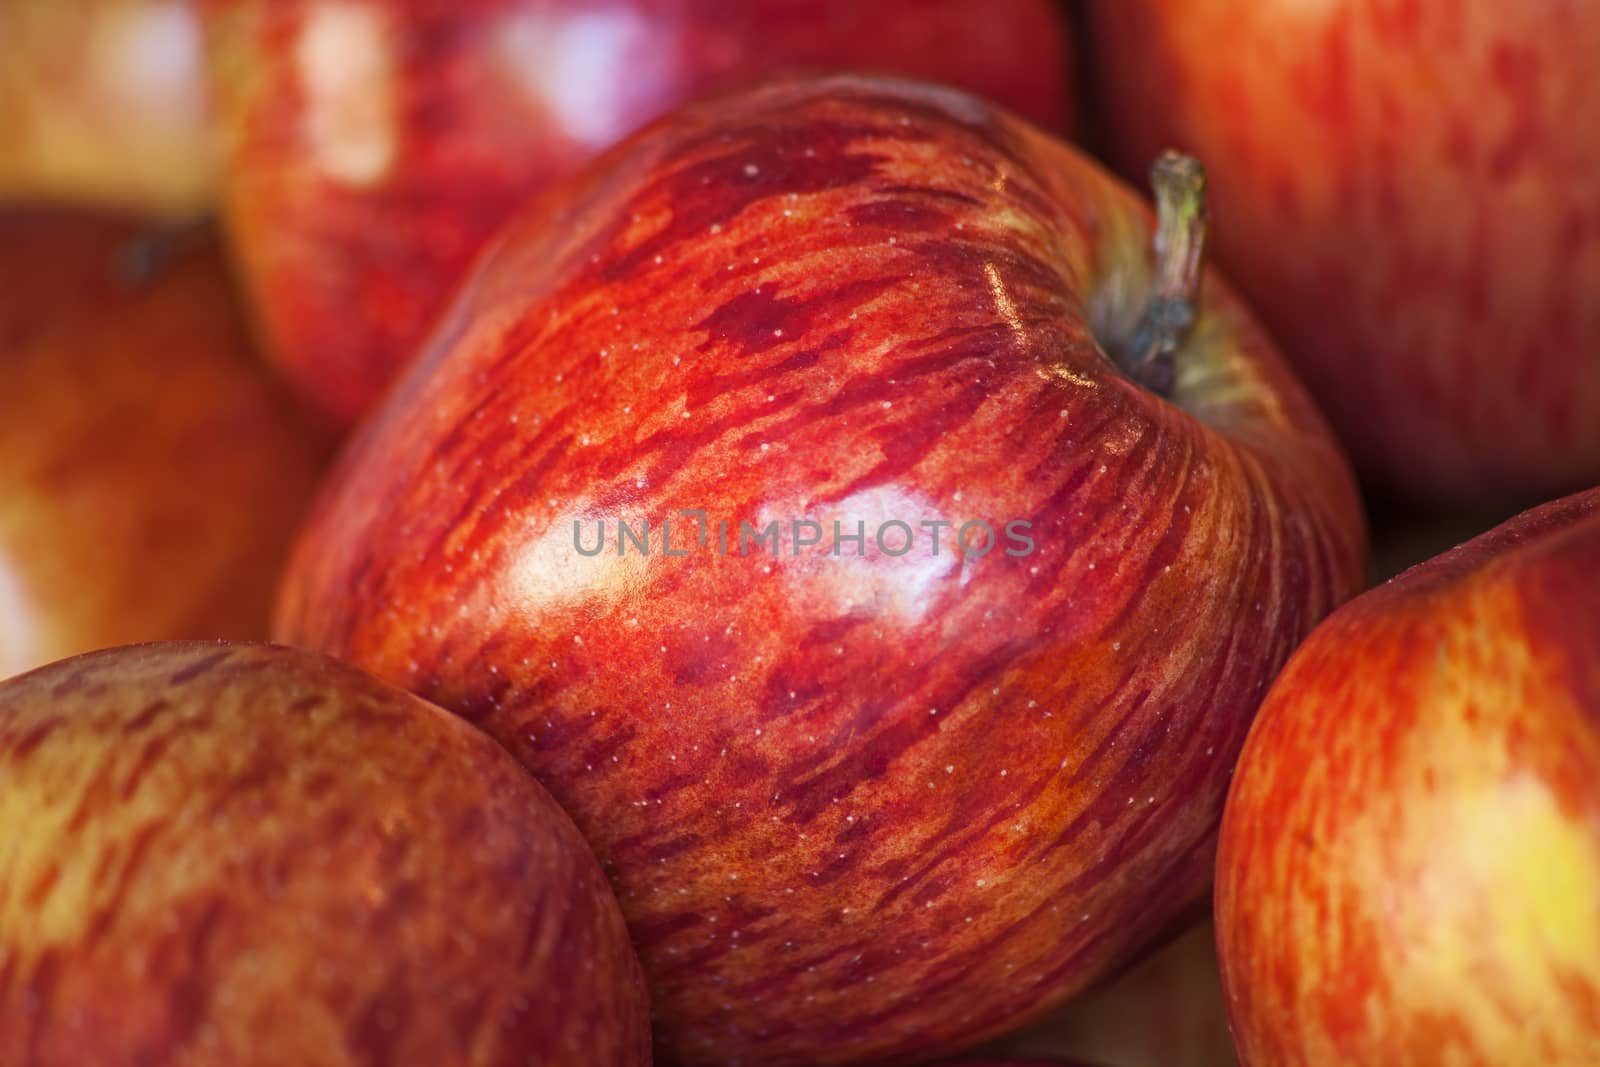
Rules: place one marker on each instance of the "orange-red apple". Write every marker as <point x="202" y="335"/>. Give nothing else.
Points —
<point x="1410" y="862"/>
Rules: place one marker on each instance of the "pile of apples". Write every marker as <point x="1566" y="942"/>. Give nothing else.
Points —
<point x="592" y="533"/>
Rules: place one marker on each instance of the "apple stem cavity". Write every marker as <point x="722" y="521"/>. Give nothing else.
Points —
<point x="1179" y="182"/>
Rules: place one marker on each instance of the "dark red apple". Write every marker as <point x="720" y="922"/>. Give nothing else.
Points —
<point x="104" y="102"/>
<point x="875" y="799"/>
<point x="152" y="470"/>
<point x="373" y="147"/>
<point x="1409" y="195"/>
<point x="1410" y="861"/>
<point x="247" y="855"/>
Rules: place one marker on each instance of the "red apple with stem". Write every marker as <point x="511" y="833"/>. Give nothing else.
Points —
<point x="152" y="469"/>
<point x="1409" y="195"/>
<point x="105" y="103"/>
<point x="890" y="794"/>
<point x="1410" y="860"/>
<point x="249" y="855"/>
<point x="372" y="148"/>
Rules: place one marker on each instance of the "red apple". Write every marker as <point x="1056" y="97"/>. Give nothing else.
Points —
<point x="861" y="800"/>
<point x="105" y="102"/>
<point x="1410" y="860"/>
<point x="152" y="471"/>
<point x="373" y="147"/>
<point x="247" y="855"/>
<point x="1409" y="194"/>
<point x="1166" y="1011"/>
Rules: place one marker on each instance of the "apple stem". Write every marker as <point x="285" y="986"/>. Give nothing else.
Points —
<point x="1179" y="182"/>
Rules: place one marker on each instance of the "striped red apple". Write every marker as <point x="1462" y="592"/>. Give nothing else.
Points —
<point x="891" y="793"/>
<point x="371" y="148"/>
<point x="1410" y="860"/>
<point x="246" y="855"/>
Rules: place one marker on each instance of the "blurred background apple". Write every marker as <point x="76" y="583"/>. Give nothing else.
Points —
<point x="1409" y="195"/>
<point x="152" y="470"/>
<point x="104" y="103"/>
<point x="372" y="147"/>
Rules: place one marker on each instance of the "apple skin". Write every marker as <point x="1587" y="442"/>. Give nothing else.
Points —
<point x="152" y="468"/>
<point x="104" y="103"/>
<point x="1410" y="860"/>
<point x="856" y="806"/>
<point x="372" y="149"/>
<point x="243" y="854"/>
<point x="1167" y="1010"/>
<point x="1428" y="259"/>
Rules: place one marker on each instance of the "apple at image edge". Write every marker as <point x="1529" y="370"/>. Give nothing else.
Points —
<point x="371" y="150"/>
<point x="1409" y="866"/>
<point x="231" y="853"/>
<point x="152" y="469"/>
<point x="1408" y="194"/>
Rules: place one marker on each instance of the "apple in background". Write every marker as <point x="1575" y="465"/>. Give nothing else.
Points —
<point x="1165" y="1011"/>
<point x="104" y="102"/>
<point x="372" y="148"/>
<point x="1409" y="195"/>
<point x="152" y="470"/>
<point x="860" y="799"/>
<point x="249" y="855"/>
<point x="1410" y="859"/>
